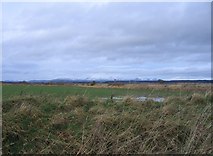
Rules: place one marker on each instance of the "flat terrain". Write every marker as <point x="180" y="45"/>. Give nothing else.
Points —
<point x="103" y="90"/>
<point x="57" y="119"/>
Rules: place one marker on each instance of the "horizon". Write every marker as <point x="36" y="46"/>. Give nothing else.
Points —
<point x="45" y="41"/>
<point x="89" y="80"/>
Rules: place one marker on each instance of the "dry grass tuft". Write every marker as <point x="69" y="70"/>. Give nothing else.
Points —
<point x="59" y="121"/>
<point x="170" y="109"/>
<point x="17" y="102"/>
<point x="209" y="96"/>
<point x="75" y="101"/>
<point x="128" y="100"/>
<point x="197" y="99"/>
<point x="174" y="100"/>
<point x="165" y="137"/>
<point x="98" y="109"/>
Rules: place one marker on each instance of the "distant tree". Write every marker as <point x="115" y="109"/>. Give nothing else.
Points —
<point x="24" y="82"/>
<point x="92" y="83"/>
<point x="161" y="81"/>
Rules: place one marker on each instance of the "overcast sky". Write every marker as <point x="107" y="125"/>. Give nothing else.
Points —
<point x="106" y="40"/>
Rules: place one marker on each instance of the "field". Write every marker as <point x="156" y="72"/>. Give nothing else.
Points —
<point x="83" y="119"/>
<point x="104" y="90"/>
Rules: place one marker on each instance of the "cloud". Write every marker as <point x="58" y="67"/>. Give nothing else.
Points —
<point x="106" y="40"/>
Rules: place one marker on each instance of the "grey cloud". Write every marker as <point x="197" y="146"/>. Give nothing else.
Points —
<point x="111" y="40"/>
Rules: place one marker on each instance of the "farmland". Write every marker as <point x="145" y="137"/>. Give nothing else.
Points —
<point x="75" y="119"/>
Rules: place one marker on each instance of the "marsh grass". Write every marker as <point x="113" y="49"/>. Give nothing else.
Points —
<point x="79" y="125"/>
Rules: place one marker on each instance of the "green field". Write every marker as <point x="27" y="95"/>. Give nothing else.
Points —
<point x="62" y="91"/>
<point x="41" y="119"/>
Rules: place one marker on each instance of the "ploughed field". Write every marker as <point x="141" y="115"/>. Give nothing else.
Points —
<point x="82" y="119"/>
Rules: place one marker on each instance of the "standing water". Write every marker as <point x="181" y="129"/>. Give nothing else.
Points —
<point x="141" y="98"/>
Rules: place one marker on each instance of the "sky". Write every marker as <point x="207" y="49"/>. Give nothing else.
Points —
<point x="106" y="41"/>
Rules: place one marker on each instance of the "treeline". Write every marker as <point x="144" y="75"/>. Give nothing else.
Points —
<point x="110" y="82"/>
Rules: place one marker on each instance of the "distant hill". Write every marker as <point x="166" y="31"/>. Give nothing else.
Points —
<point x="67" y="81"/>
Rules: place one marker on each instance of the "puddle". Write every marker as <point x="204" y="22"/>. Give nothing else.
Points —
<point x="156" y="99"/>
<point x="140" y="98"/>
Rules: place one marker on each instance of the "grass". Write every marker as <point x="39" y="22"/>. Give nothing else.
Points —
<point x="62" y="91"/>
<point x="82" y="124"/>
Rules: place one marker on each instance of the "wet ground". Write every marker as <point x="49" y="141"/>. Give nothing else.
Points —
<point x="140" y="98"/>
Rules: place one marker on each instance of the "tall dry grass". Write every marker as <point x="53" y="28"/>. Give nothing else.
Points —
<point x="78" y="125"/>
